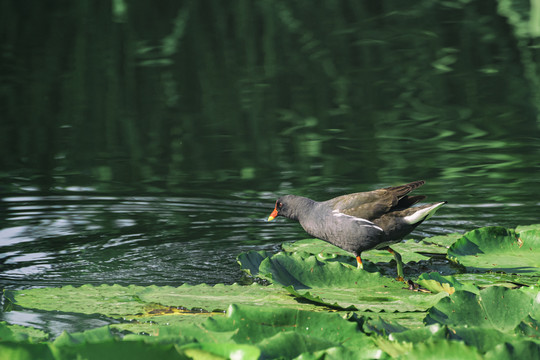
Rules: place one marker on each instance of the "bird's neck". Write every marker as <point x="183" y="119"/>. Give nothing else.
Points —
<point x="302" y="209"/>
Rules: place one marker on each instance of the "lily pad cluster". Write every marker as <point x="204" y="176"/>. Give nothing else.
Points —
<point x="317" y="305"/>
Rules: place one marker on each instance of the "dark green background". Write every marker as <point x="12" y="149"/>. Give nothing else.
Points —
<point x="143" y="96"/>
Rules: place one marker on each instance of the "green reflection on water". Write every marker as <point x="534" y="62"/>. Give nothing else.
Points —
<point x="158" y="98"/>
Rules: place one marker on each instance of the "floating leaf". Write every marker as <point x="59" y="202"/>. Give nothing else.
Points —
<point x="17" y="333"/>
<point x="217" y="297"/>
<point x="495" y="307"/>
<point x="335" y="353"/>
<point x="514" y="350"/>
<point x="99" y="335"/>
<point x="183" y="333"/>
<point x="529" y="327"/>
<point x="442" y="349"/>
<point x="483" y="339"/>
<point x="442" y="241"/>
<point x="482" y="280"/>
<point x="436" y="283"/>
<point x="108" y="300"/>
<point x="382" y="327"/>
<point x="523" y="228"/>
<point x="411" y="319"/>
<point x="25" y="351"/>
<point x="497" y="322"/>
<point x="251" y="260"/>
<point x="226" y="351"/>
<point x="289" y="345"/>
<point x="314" y="246"/>
<point x="105" y="350"/>
<point x="342" y="286"/>
<point x="499" y="249"/>
<point x="410" y="251"/>
<point x="279" y="331"/>
<point x="150" y="324"/>
<point x="118" y="350"/>
<point x="135" y="301"/>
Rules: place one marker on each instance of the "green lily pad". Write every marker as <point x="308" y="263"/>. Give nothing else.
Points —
<point x="118" y="350"/>
<point x="191" y="340"/>
<point x="483" y="339"/>
<point x="217" y="297"/>
<point x="381" y="327"/>
<point x="494" y="307"/>
<point x="443" y="241"/>
<point x="488" y="314"/>
<point x="523" y="228"/>
<point x="181" y="334"/>
<point x="441" y="349"/>
<point x="289" y="332"/>
<point x="423" y="250"/>
<point x="25" y="351"/>
<point x="100" y="350"/>
<point x="314" y="246"/>
<point x="17" y="333"/>
<point x="514" y="350"/>
<point x="253" y="324"/>
<point x="135" y="301"/>
<point x="289" y="344"/>
<point x="342" y="286"/>
<point x="99" y="335"/>
<point x="409" y="251"/>
<point x="220" y="351"/>
<point x="436" y="283"/>
<point x="436" y="341"/>
<point x="251" y="260"/>
<point x="529" y="327"/>
<point x="410" y="320"/>
<point x="499" y="249"/>
<point x="482" y="280"/>
<point x="335" y="353"/>
<point x="150" y="324"/>
<point x="108" y="300"/>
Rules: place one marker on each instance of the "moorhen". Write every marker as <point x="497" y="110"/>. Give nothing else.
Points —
<point x="360" y="221"/>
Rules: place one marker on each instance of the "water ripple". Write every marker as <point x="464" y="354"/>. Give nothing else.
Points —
<point x="78" y="239"/>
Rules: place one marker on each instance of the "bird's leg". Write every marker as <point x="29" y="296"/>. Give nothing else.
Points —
<point x="359" y="261"/>
<point x="399" y="263"/>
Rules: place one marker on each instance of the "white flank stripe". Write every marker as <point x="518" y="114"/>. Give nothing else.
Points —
<point x="365" y="222"/>
<point x="423" y="214"/>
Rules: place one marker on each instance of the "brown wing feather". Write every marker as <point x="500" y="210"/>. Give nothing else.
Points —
<point x="373" y="204"/>
<point x="403" y="190"/>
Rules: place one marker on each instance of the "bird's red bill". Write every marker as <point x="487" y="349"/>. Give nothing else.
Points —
<point x="273" y="215"/>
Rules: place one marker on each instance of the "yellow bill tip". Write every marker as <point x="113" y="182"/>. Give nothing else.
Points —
<point x="273" y="215"/>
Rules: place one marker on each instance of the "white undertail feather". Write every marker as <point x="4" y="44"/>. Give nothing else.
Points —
<point x="423" y="214"/>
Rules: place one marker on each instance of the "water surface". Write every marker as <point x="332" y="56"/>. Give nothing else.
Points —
<point x="75" y="239"/>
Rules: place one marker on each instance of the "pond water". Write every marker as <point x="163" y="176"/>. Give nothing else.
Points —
<point x="85" y="238"/>
<point x="148" y="145"/>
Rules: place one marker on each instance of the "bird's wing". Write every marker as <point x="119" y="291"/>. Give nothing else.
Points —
<point x="373" y="204"/>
